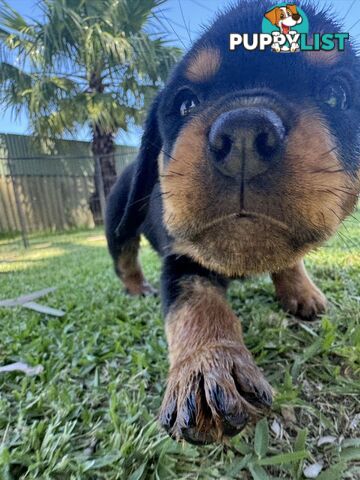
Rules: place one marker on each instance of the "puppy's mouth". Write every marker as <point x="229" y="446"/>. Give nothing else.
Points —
<point x="241" y="242"/>
<point x="250" y="216"/>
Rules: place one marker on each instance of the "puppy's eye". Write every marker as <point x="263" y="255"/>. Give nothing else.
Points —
<point x="188" y="105"/>
<point x="336" y="95"/>
<point x="185" y="102"/>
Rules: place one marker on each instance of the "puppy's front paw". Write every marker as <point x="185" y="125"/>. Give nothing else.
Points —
<point x="297" y="294"/>
<point x="212" y="394"/>
<point x="306" y="302"/>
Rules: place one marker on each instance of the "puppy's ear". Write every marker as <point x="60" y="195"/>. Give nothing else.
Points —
<point x="272" y="15"/>
<point x="145" y="175"/>
<point x="292" y="8"/>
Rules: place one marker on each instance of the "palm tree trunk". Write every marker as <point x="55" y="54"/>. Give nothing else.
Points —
<point x="103" y="149"/>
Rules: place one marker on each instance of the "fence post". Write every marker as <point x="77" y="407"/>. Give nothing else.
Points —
<point x="18" y="206"/>
<point x="100" y="186"/>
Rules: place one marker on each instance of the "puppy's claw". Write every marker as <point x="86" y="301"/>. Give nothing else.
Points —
<point x="168" y="416"/>
<point x="307" y="305"/>
<point x="221" y="401"/>
<point x="187" y="415"/>
<point x="233" y="419"/>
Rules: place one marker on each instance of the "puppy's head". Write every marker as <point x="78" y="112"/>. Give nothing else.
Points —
<point x="260" y="152"/>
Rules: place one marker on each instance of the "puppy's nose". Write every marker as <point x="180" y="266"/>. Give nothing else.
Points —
<point x="296" y="16"/>
<point x="246" y="141"/>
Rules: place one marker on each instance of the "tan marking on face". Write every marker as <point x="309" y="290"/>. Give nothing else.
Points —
<point x="200" y="213"/>
<point x="323" y="57"/>
<point x="204" y="65"/>
<point x="235" y="251"/>
<point x="309" y="195"/>
<point x="323" y="193"/>
<point x="180" y="176"/>
<point x="191" y="186"/>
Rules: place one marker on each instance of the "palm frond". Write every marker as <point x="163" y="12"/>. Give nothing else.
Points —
<point x="86" y="63"/>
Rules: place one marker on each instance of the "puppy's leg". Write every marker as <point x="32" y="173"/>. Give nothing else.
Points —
<point x="128" y="269"/>
<point x="125" y="251"/>
<point x="214" y="386"/>
<point x="296" y="292"/>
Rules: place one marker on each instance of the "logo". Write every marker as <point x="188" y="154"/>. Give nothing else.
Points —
<point x="285" y="24"/>
<point x="285" y="29"/>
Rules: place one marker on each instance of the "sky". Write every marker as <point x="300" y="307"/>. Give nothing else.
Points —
<point x="183" y="19"/>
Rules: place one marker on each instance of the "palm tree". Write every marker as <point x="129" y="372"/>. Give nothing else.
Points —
<point x="85" y="63"/>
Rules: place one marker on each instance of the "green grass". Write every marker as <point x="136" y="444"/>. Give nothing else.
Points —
<point x="92" y="413"/>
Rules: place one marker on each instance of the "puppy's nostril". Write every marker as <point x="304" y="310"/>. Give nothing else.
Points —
<point x="221" y="146"/>
<point x="266" y="145"/>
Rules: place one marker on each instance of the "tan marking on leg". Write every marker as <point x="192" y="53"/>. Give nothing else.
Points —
<point x="204" y="65"/>
<point x="201" y="317"/>
<point x="297" y="293"/>
<point x="129" y="269"/>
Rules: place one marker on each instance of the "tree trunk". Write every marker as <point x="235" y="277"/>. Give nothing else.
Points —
<point x="103" y="149"/>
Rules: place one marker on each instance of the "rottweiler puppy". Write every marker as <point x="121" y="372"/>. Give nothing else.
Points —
<point x="248" y="161"/>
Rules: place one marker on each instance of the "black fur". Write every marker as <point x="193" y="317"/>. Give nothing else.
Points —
<point x="129" y="200"/>
<point x="135" y="204"/>
<point x="284" y="86"/>
<point x="177" y="268"/>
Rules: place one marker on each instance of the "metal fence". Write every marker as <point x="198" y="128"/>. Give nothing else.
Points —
<point x="53" y="193"/>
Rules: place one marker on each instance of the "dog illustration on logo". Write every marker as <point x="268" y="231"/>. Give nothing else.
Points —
<point x="284" y="18"/>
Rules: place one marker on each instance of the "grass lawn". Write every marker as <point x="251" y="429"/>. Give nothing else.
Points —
<point x="91" y="413"/>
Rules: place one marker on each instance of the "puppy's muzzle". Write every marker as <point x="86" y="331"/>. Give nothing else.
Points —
<point x="245" y="142"/>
